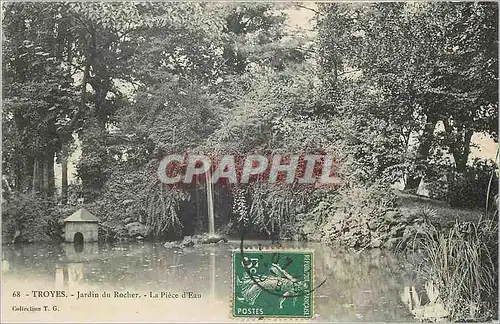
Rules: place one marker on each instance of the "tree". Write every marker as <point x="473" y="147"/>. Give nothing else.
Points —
<point x="438" y="63"/>
<point x="39" y="97"/>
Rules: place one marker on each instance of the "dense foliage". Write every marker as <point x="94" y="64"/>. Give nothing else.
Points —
<point x="131" y="82"/>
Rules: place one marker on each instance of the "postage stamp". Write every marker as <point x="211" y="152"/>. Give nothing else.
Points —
<point x="272" y="283"/>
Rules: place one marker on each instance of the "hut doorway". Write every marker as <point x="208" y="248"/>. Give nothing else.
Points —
<point x="78" y="238"/>
<point x="81" y="221"/>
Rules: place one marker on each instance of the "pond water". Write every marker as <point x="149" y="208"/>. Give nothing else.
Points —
<point x="360" y="286"/>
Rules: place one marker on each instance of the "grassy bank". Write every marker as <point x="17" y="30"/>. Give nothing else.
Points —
<point x="457" y="252"/>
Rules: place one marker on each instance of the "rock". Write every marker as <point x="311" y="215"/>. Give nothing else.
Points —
<point x="137" y="229"/>
<point x="392" y="216"/>
<point x="375" y="243"/>
<point x="208" y="239"/>
<point x="213" y="239"/>
<point x="352" y="238"/>
<point x="340" y="219"/>
<point x="120" y="230"/>
<point x="373" y="224"/>
<point x="392" y="243"/>
<point x="431" y="312"/>
<point x="190" y="241"/>
<point x="316" y="237"/>
<point x="397" y="230"/>
<point x="309" y="228"/>
<point x="171" y="245"/>
<point x="187" y="241"/>
<point x="407" y="215"/>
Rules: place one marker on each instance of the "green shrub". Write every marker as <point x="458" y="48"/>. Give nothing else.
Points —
<point x="270" y="207"/>
<point x="356" y="215"/>
<point x="468" y="189"/>
<point x="28" y="219"/>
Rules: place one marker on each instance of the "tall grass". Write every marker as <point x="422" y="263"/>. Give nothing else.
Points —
<point x="463" y="263"/>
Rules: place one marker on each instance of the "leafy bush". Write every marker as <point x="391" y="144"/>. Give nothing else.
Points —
<point x="469" y="189"/>
<point x="163" y="209"/>
<point x="354" y="216"/>
<point x="28" y="219"/>
<point x="269" y="207"/>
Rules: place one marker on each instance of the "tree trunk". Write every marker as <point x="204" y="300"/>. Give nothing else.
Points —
<point x="64" y="177"/>
<point x="26" y="176"/>
<point x="35" y="184"/>
<point x="37" y="180"/>
<point x="460" y="149"/>
<point x="424" y="148"/>
<point x="51" y="174"/>
<point x="69" y="130"/>
<point x="45" y="176"/>
<point x="18" y="178"/>
<point x="461" y="157"/>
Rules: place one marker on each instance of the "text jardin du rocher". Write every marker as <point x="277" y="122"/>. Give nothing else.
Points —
<point x="304" y="169"/>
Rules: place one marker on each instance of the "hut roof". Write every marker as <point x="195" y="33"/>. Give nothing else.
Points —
<point x="81" y="215"/>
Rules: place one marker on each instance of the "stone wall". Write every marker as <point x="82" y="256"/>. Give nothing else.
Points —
<point x="89" y="230"/>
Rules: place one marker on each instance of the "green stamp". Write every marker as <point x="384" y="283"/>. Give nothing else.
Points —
<point x="273" y="283"/>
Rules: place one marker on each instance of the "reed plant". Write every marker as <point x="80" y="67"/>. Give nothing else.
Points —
<point x="462" y="262"/>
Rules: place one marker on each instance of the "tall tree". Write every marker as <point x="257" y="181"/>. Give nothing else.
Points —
<point x="38" y="92"/>
<point x="437" y="63"/>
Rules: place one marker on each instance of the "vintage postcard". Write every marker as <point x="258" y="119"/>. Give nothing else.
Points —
<point x="239" y="161"/>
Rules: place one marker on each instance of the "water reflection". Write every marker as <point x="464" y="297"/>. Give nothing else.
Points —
<point x="69" y="275"/>
<point x="74" y="252"/>
<point x="423" y="301"/>
<point x="363" y="286"/>
<point x="212" y="272"/>
<point x="78" y="247"/>
<point x="5" y="263"/>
